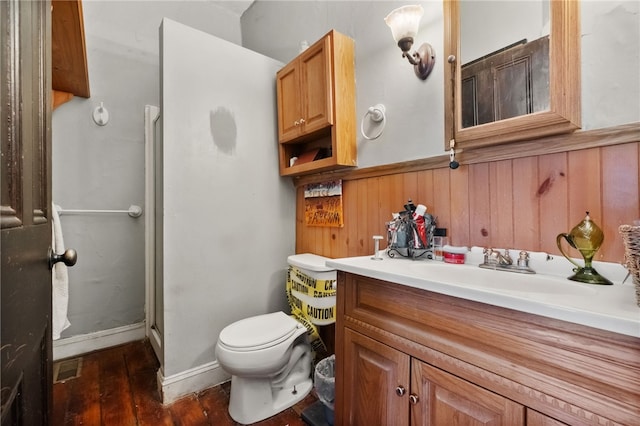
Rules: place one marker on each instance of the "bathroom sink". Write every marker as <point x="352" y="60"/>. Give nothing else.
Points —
<point x="548" y="292"/>
<point x="526" y="285"/>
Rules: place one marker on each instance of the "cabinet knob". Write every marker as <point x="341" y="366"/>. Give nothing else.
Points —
<point x="302" y="121"/>
<point x="296" y="123"/>
<point x="400" y="390"/>
<point x="413" y="398"/>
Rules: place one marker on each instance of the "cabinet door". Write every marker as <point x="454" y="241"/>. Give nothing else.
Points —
<point x="374" y="373"/>
<point x="289" y="102"/>
<point x="445" y="399"/>
<point x="317" y="86"/>
<point x="538" y="419"/>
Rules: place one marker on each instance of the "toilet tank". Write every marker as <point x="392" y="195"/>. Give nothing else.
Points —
<point x="313" y="265"/>
<point x="311" y="287"/>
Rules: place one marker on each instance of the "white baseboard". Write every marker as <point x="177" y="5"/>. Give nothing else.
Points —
<point x="85" y="343"/>
<point x="190" y="381"/>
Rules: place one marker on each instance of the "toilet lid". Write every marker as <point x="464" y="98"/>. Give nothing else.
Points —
<point x="259" y="332"/>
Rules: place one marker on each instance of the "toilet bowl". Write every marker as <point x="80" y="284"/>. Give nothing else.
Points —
<point x="270" y="361"/>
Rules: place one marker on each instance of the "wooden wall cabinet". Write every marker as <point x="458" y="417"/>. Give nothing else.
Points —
<point x="316" y="107"/>
<point x="69" y="68"/>
<point x="406" y="356"/>
<point x="304" y="93"/>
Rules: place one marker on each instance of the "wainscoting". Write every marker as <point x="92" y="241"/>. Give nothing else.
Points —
<point x="518" y="196"/>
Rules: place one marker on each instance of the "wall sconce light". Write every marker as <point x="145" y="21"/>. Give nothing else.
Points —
<point x="404" y="22"/>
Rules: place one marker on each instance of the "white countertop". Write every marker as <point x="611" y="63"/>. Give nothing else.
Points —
<point x="547" y="293"/>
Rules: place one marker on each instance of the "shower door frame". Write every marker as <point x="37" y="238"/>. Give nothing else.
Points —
<point x="153" y="224"/>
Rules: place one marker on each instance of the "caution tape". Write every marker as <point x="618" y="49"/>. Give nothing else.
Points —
<point x="306" y="297"/>
<point x="303" y="283"/>
<point x="315" y="299"/>
<point x="317" y="345"/>
<point x="319" y="315"/>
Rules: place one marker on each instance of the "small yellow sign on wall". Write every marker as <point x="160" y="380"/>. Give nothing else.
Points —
<point x="323" y="204"/>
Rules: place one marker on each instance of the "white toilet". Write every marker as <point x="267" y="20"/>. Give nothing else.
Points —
<point x="269" y="359"/>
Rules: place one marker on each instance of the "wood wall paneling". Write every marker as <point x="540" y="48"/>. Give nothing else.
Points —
<point x="480" y="209"/>
<point x="585" y="191"/>
<point x="526" y="219"/>
<point x="501" y="203"/>
<point x="620" y="191"/>
<point x="521" y="203"/>
<point x="460" y="216"/>
<point x="552" y="199"/>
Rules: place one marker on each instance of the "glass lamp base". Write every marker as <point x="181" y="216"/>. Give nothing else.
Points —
<point x="589" y="276"/>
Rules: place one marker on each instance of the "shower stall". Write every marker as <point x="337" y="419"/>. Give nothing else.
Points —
<point x="220" y="221"/>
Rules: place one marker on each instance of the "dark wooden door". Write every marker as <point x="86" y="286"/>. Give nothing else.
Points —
<point x="25" y="281"/>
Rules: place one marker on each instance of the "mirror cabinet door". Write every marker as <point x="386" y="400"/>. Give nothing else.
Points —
<point x="519" y="81"/>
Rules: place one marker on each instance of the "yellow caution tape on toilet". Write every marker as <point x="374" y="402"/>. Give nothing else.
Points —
<point x="303" y="283"/>
<point x="315" y="299"/>
<point x="309" y="304"/>
<point x="312" y="332"/>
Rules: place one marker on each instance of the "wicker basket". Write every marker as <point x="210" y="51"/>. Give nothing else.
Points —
<point x="631" y="239"/>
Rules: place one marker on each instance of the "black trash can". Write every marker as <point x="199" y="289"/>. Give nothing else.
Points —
<point x="325" y="384"/>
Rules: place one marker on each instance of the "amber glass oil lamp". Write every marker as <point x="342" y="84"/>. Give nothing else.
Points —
<point x="586" y="237"/>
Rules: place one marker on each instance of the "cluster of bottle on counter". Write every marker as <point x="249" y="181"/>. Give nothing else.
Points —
<point x="413" y="233"/>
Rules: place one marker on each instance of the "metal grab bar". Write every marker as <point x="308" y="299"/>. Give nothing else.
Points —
<point x="133" y="211"/>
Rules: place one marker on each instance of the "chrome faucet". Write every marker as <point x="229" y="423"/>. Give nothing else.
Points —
<point x="492" y="256"/>
<point x="493" y="259"/>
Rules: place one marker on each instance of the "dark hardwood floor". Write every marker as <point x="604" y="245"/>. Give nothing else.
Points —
<point x="117" y="386"/>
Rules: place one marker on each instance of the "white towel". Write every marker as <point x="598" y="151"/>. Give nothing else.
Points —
<point x="60" y="279"/>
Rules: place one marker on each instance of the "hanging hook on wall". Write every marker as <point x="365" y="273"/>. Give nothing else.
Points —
<point x="453" y="164"/>
<point x="101" y="115"/>
<point x="377" y="115"/>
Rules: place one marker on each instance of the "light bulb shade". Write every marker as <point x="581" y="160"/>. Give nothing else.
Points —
<point x="404" y="21"/>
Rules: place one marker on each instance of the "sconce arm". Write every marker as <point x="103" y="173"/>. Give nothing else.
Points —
<point x="410" y="57"/>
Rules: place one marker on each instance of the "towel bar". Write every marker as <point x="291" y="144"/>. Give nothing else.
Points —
<point x="133" y="211"/>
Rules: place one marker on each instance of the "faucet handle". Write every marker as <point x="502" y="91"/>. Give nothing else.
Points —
<point x="506" y="258"/>
<point x="523" y="259"/>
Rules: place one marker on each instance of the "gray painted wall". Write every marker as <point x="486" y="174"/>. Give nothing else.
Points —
<point x="610" y="65"/>
<point x="103" y="167"/>
<point x="228" y="224"/>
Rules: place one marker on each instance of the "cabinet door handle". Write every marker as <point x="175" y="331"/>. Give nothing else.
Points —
<point x="296" y="123"/>
<point x="400" y="390"/>
<point x="302" y="121"/>
<point x="413" y="398"/>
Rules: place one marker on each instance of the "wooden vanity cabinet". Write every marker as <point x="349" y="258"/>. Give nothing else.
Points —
<point x="316" y="107"/>
<point x="413" y="392"/>
<point x="406" y="356"/>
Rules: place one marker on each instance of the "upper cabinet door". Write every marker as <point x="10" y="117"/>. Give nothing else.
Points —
<point x="305" y="93"/>
<point x="317" y="85"/>
<point x="289" y="102"/>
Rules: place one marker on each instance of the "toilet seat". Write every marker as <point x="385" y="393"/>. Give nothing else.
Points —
<point x="258" y="332"/>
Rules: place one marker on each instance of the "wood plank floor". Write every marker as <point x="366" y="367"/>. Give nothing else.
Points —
<point x="117" y="386"/>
